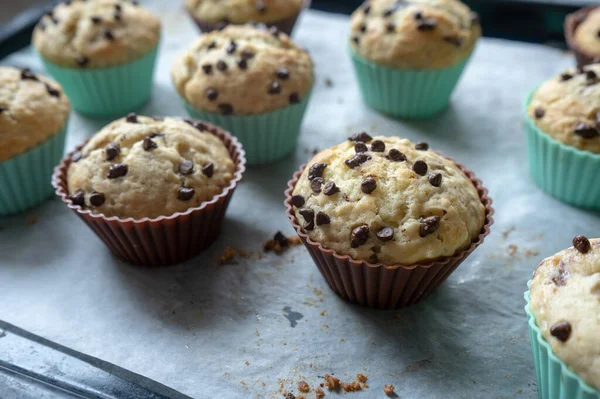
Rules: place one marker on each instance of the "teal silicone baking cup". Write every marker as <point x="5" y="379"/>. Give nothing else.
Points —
<point x="107" y="92"/>
<point x="266" y="137"/>
<point x="406" y="93"/>
<point x="565" y="172"/>
<point x="25" y="178"/>
<point x="554" y="378"/>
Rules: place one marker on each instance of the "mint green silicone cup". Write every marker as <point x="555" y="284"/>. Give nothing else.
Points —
<point x="265" y="137"/>
<point x="566" y="173"/>
<point x="554" y="378"/>
<point x="25" y="178"/>
<point x="406" y="93"/>
<point x="107" y="92"/>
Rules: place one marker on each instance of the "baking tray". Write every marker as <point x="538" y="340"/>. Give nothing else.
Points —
<point x="255" y="325"/>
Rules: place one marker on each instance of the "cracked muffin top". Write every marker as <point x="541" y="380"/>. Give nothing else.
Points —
<point x="567" y="107"/>
<point x="96" y="33"/>
<point x="565" y="300"/>
<point x="386" y="200"/>
<point x="586" y="35"/>
<point x="243" y="11"/>
<point x="243" y="70"/>
<point x="32" y="109"/>
<point x="419" y="34"/>
<point x="149" y="167"/>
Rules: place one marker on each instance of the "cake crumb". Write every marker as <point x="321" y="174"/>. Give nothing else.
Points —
<point x="512" y="249"/>
<point x="247" y="363"/>
<point x="280" y="243"/>
<point x="328" y="82"/>
<point x="289" y="395"/>
<point x="351" y="386"/>
<point x="332" y="383"/>
<point x="388" y="389"/>
<point x="323" y="312"/>
<point x="303" y="387"/>
<point x="361" y="377"/>
<point x="228" y="255"/>
<point x="319" y="394"/>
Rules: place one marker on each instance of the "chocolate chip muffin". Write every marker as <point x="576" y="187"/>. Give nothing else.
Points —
<point x="243" y="70"/>
<point x="148" y="167"/>
<point x="386" y="200"/>
<point x="581" y="33"/>
<point x="567" y="107"/>
<point x="33" y="109"/>
<point x="420" y="34"/>
<point x="96" y="33"/>
<point x="564" y="298"/>
<point x="213" y="14"/>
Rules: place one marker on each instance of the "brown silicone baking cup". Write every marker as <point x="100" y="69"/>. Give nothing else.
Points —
<point x="572" y="22"/>
<point x="382" y="286"/>
<point x="165" y="240"/>
<point x="284" y="25"/>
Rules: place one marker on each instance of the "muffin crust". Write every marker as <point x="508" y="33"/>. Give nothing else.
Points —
<point x="243" y="11"/>
<point x="586" y="35"/>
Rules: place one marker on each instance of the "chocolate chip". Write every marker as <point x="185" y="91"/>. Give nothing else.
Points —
<point x="118" y="7"/>
<point x="78" y="198"/>
<point x="117" y="15"/>
<point x="366" y="9"/>
<point x="112" y="151"/>
<point x="221" y="65"/>
<point x="316" y="170"/>
<point x="590" y="75"/>
<point x="565" y="76"/>
<point x="390" y="27"/>
<point x="586" y="131"/>
<point x="26" y="74"/>
<point x="454" y="40"/>
<point x="52" y="91"/>
<point x="242" y="64"/>
<point x="309" y="218"/>
<point x="2" y="109"/>
<point x="418" y="15"/>
<point x="359" y="236"/>
<point x="96" y="20"/>
<point x="186" y="167"/>
<point x="368" y="185"/>
<point x="201" y="126"/>
<point x="420" y="167"/>
<point x="330" y="189"/>
<point x="208" y="169"/>
<point x="362" y="136"/>
<point x="396" y="156"/>
<point x="82" y="61"/>
<point x="561" y="331"/>
<point x="185" y="193"/>
<point x="385" y="234"/>
<point x="560" y="277"/>
<point x="539" y="113"/>
<point x="362" y="28"/>
<point x="316" y="184"/>
<point x="108" y="35"/>
<point x="429" y="225"/>
<point x="378" y="146"/>
<point x="582" y="244"/>
<point x="435" y="179"/>
<point x="388" y="12"/>
<point x="282" y="73"/>
<point x="76" y="157"/>
<point x="212" y="45"/>
<point x="274" y="88"/>
<point x="247" y="54"/>
<point x="322" y="219"/>
<point x="280" y="239"/>
<point x="226" y="109"/>
<point x="212" y="94"/>
<point x="360" y="147"/>
<point x="294" y="98"/>
<point x="230" y="49"/>
<point x="149" y="144"/>
<point x="131" y="117"/>
<point x="357" y="160"/>
<point x="580" y="69"/>
<point x="260" y="7"/>
<point x="422" y="146"/>
<point x="297" y="201"/>
<point x="355" y="39"/>
<point x="117" y="170"/>
<point x="427" y="24"/>
<point x="97" y="199"/>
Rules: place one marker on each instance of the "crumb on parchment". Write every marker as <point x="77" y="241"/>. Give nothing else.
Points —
<point x="388" y="389"/>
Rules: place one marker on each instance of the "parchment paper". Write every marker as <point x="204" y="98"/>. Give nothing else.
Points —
<point x="255" y="328"/>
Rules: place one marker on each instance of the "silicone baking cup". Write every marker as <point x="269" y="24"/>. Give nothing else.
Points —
<point x="266" y="137"/>
<point x="165" y="240"/>
<point x="571" y="24"/>
<point x="406" y="93"/>
<point x="25" y="178"/>
<point x="383" y="286"/>
<point x="565" y="172"/>
<point x="107" y="92"/>
<point x="555" y="379"/>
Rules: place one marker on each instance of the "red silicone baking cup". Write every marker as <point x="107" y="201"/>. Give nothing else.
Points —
<point x="572" y="22"/>
<point x="165" y="240"/>
<point x="285" y="25"/>
<point x="381" y="286"/>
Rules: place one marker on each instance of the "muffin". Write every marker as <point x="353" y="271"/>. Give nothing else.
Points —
<point x="409" y="57"/>
<point x="212" y="15"/>
<point x="252" y="82"/>
<point x="563" y="307"/>
<point x="102" y="52"/>
<point x="564" y="137"/>
<point x="34" y="112"/>
<point x="383" y="206"/>
<point x="170" y="177"/>
<point x="581" y="33"/>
